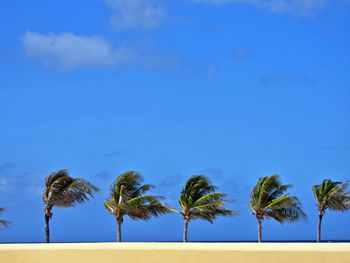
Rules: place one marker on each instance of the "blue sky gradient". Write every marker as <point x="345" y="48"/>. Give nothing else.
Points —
<point x="232" y="89"/>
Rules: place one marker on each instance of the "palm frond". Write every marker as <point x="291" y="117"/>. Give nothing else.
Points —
<point x="65" y="191"/>
<point x="209" y="198"/>
<point x="287" y="208"/>
<point x="199" y="200"/>
<point x="128" y="198"/>
<point x="332" y="195"/>
<point x="340" y="202"/>
<point x="56" y="175"/>
<point x="145" y="212"/>
<point x="269" y="199"/>
<point x="109" y="206"/>
<point x="4" y="223"/>
<point x="269" y="184"/>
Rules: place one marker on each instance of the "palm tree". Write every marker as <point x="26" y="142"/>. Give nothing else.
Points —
<point x="330" y="195"/>
<point x="270" y="200"/>
<point x="128" y="198"/>
<point x="64" y="191"/>
<point x="4" y="223"/>
<point x="199" y="200"/>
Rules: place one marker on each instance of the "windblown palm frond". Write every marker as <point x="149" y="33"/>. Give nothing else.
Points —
<point x="128" y="198"/>
<point x="269" y="200"/>
<point x="64" y="191"/>
<point x="199" y="200"/>
<point x="4" y="223"/>
<point x="61" y="190"/>
<point x="330" y="195"/>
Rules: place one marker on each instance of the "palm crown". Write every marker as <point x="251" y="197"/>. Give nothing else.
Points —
<point x="330" y="195"/>
<point x="61" y="190"/>
<point x="3" y="223"/>
<point x="128" y="198"/>
<point x="270" y="200"/>
<point x="199" y="200"/>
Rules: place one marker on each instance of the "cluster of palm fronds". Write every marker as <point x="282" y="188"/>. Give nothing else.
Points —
<point x="199" y="199"/>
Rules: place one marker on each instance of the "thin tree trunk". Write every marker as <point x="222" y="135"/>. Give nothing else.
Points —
<point x="47" y="228"/>
<point x="259" y="230"/>
<point x="185" y="230"/>
<point x="319" y="227"/>
<point x="119" y="230"/>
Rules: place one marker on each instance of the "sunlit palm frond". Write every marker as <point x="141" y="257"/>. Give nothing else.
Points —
<point x="332" y="195"/>
<point x="109" y="205"/>
<point x="127" y="198"/>
<point x="199" y="200"/>
<point x="209" y="198"/>
<point x="268" y="199"/>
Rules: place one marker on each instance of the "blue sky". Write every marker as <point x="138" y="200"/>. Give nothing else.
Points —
<point x="232" y="89"/>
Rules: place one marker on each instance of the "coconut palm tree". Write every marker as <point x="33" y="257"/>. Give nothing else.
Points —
<point x="61" y="190"/>
<point x="199" y="200"/>
<point x="330" y="195"/>
<point x="4" y="223"/>
<point x="270" y="200"/>
<point x="128" y="198"/>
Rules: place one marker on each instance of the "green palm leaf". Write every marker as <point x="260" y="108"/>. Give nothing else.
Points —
<point x="127" y="198"/>
<point x="332" y="195"/>
<point x="61" y="190"/>
<point x="270" y="200"/>
<point x="199" y="200"/>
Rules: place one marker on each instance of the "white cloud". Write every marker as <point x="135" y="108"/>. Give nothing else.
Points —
<point x="304" y="7"/>
<point x="68" y="51"/>
<point x="132" y="14"/>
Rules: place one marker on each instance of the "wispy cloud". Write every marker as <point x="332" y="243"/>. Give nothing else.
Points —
<point x="241" y="53"/>
<point x="104" y="175"/>
<point x="31" y="180"/>
<point x="68" y="51"/>
<point x="135" y="14"/>
<point x="7" y="166"/>
<point x="304" y="7"/>
<point x="285" y="78"/>
<point x="226" y="182"/>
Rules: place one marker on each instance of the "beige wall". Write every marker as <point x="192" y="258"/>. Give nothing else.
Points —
<point x="176" y="253"/>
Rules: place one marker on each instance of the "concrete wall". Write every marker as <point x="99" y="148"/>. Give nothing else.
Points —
<point x="176" y="253"/>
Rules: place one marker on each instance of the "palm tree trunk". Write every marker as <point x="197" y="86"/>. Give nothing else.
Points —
<point x="185" y="230"/>
<point x="119" y="230"/>
<point x="319" y="227"/>
<point x="259" y="230"/>
<point x="47" y="228"/>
